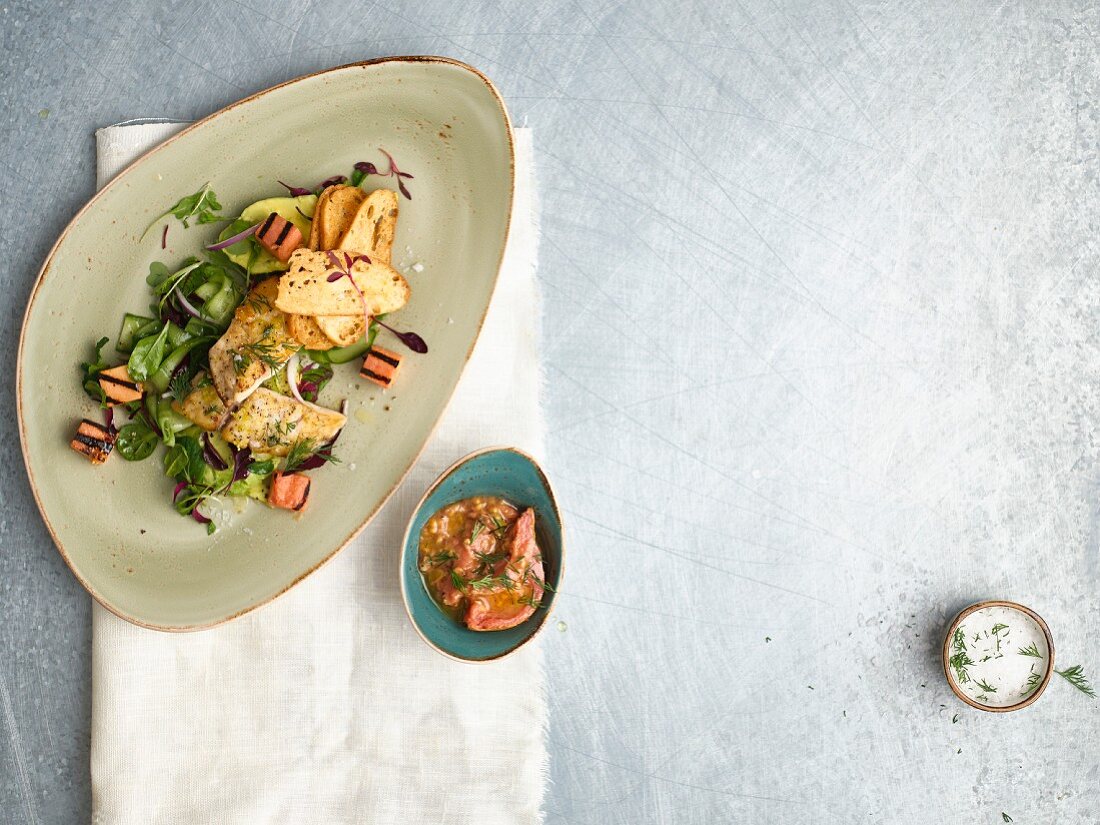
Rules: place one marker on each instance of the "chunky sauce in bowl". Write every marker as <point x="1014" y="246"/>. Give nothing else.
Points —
<point x="481" y="564"/>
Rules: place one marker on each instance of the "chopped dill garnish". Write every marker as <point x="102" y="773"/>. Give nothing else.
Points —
<point x="269" y="353"/>
<point x="179" y="387"/>
<point x="487" y="582"/>
<point x="984" y="685"/>
<point x="997" y="628"/>
<point x="1033" y="681"/>
<point x="487" y="561"/>
<point x="478" y="528"/>
<point x="1075" y="677"/>
<point x="500" y="527"/>
<point x="302" y="450"/>
<point x="960" y="660"/>
<point x="1030" y="650"/>
<point x="439" y="558"/>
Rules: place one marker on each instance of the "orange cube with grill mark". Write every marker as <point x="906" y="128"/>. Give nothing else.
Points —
<point x="279" y="236"/>
<point x="118" y="386"/>
<point x="380" y="366"/>
<point x="93" y="441"/>
<point x="289" y="491"/>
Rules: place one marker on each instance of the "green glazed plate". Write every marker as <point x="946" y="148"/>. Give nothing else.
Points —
<point x="516" y="477"/>
<point x="442" y="121"/>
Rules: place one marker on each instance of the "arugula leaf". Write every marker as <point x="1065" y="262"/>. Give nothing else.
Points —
<point x="202" y="207"/>
<point x="147" y="355"/>
<point x="93" y="368"/>
<point x="136" y="441"/>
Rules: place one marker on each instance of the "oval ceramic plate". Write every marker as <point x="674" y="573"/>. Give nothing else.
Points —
<point x="443" y="122"/>
<point x="514" y="476"/>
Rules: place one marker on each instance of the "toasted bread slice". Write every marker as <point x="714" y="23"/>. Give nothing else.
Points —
<point x="335" y="212"/>
<point x="342" y="330"/>
<point x="305" y="329"/>
<point x="305" y="289"/>
<point x="372" y="229"/>
<point x="314" y="240"/>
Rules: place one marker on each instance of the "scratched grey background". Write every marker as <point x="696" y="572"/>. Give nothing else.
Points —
<point x="821" y="334"/>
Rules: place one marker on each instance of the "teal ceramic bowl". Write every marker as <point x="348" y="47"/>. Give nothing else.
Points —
<point x="496" y="471"/>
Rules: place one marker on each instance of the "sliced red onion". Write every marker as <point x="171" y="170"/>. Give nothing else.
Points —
<point x="199" y="517"/>
<point x="242" y="460"/>
<point x="240" y="236"/>
<point x="164" y="238"/>
<point x="179" y="489"/>
<point x="186" y="305"/>
<point x="109" y="419"/>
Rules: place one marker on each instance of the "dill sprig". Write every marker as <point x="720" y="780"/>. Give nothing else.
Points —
<point x="960" y="660"/>
<point x="488" y="582"/>
<point x="500" y="527"/>
<point x="478" y="528"/>
<point x="302" y="450"/>
<point x="436" y="559"/>
<point x="530" y="600"/>
<point x="487" y="561"/>
<point x="271" y="354"/>
<point x="985" y="686"/>
<point x="1076" y="677"/>
<point x="1033" y="681"/>
<point x="179" y="387"/>
<point x="1030" y="650"/>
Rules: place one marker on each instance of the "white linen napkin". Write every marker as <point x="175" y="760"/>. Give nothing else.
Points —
<point x="325" y="706"/>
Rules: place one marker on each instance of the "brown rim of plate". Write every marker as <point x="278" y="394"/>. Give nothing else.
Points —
<point x="405" y="543"/>
<point x="44" y="271"/>
<point x="1035" y="694"/>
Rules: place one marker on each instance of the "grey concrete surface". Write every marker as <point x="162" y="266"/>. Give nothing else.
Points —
<point x="822" y="331"/>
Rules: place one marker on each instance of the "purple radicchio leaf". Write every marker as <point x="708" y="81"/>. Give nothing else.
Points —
<point x="242" y="460"/>
<point x="211" y="455"/>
